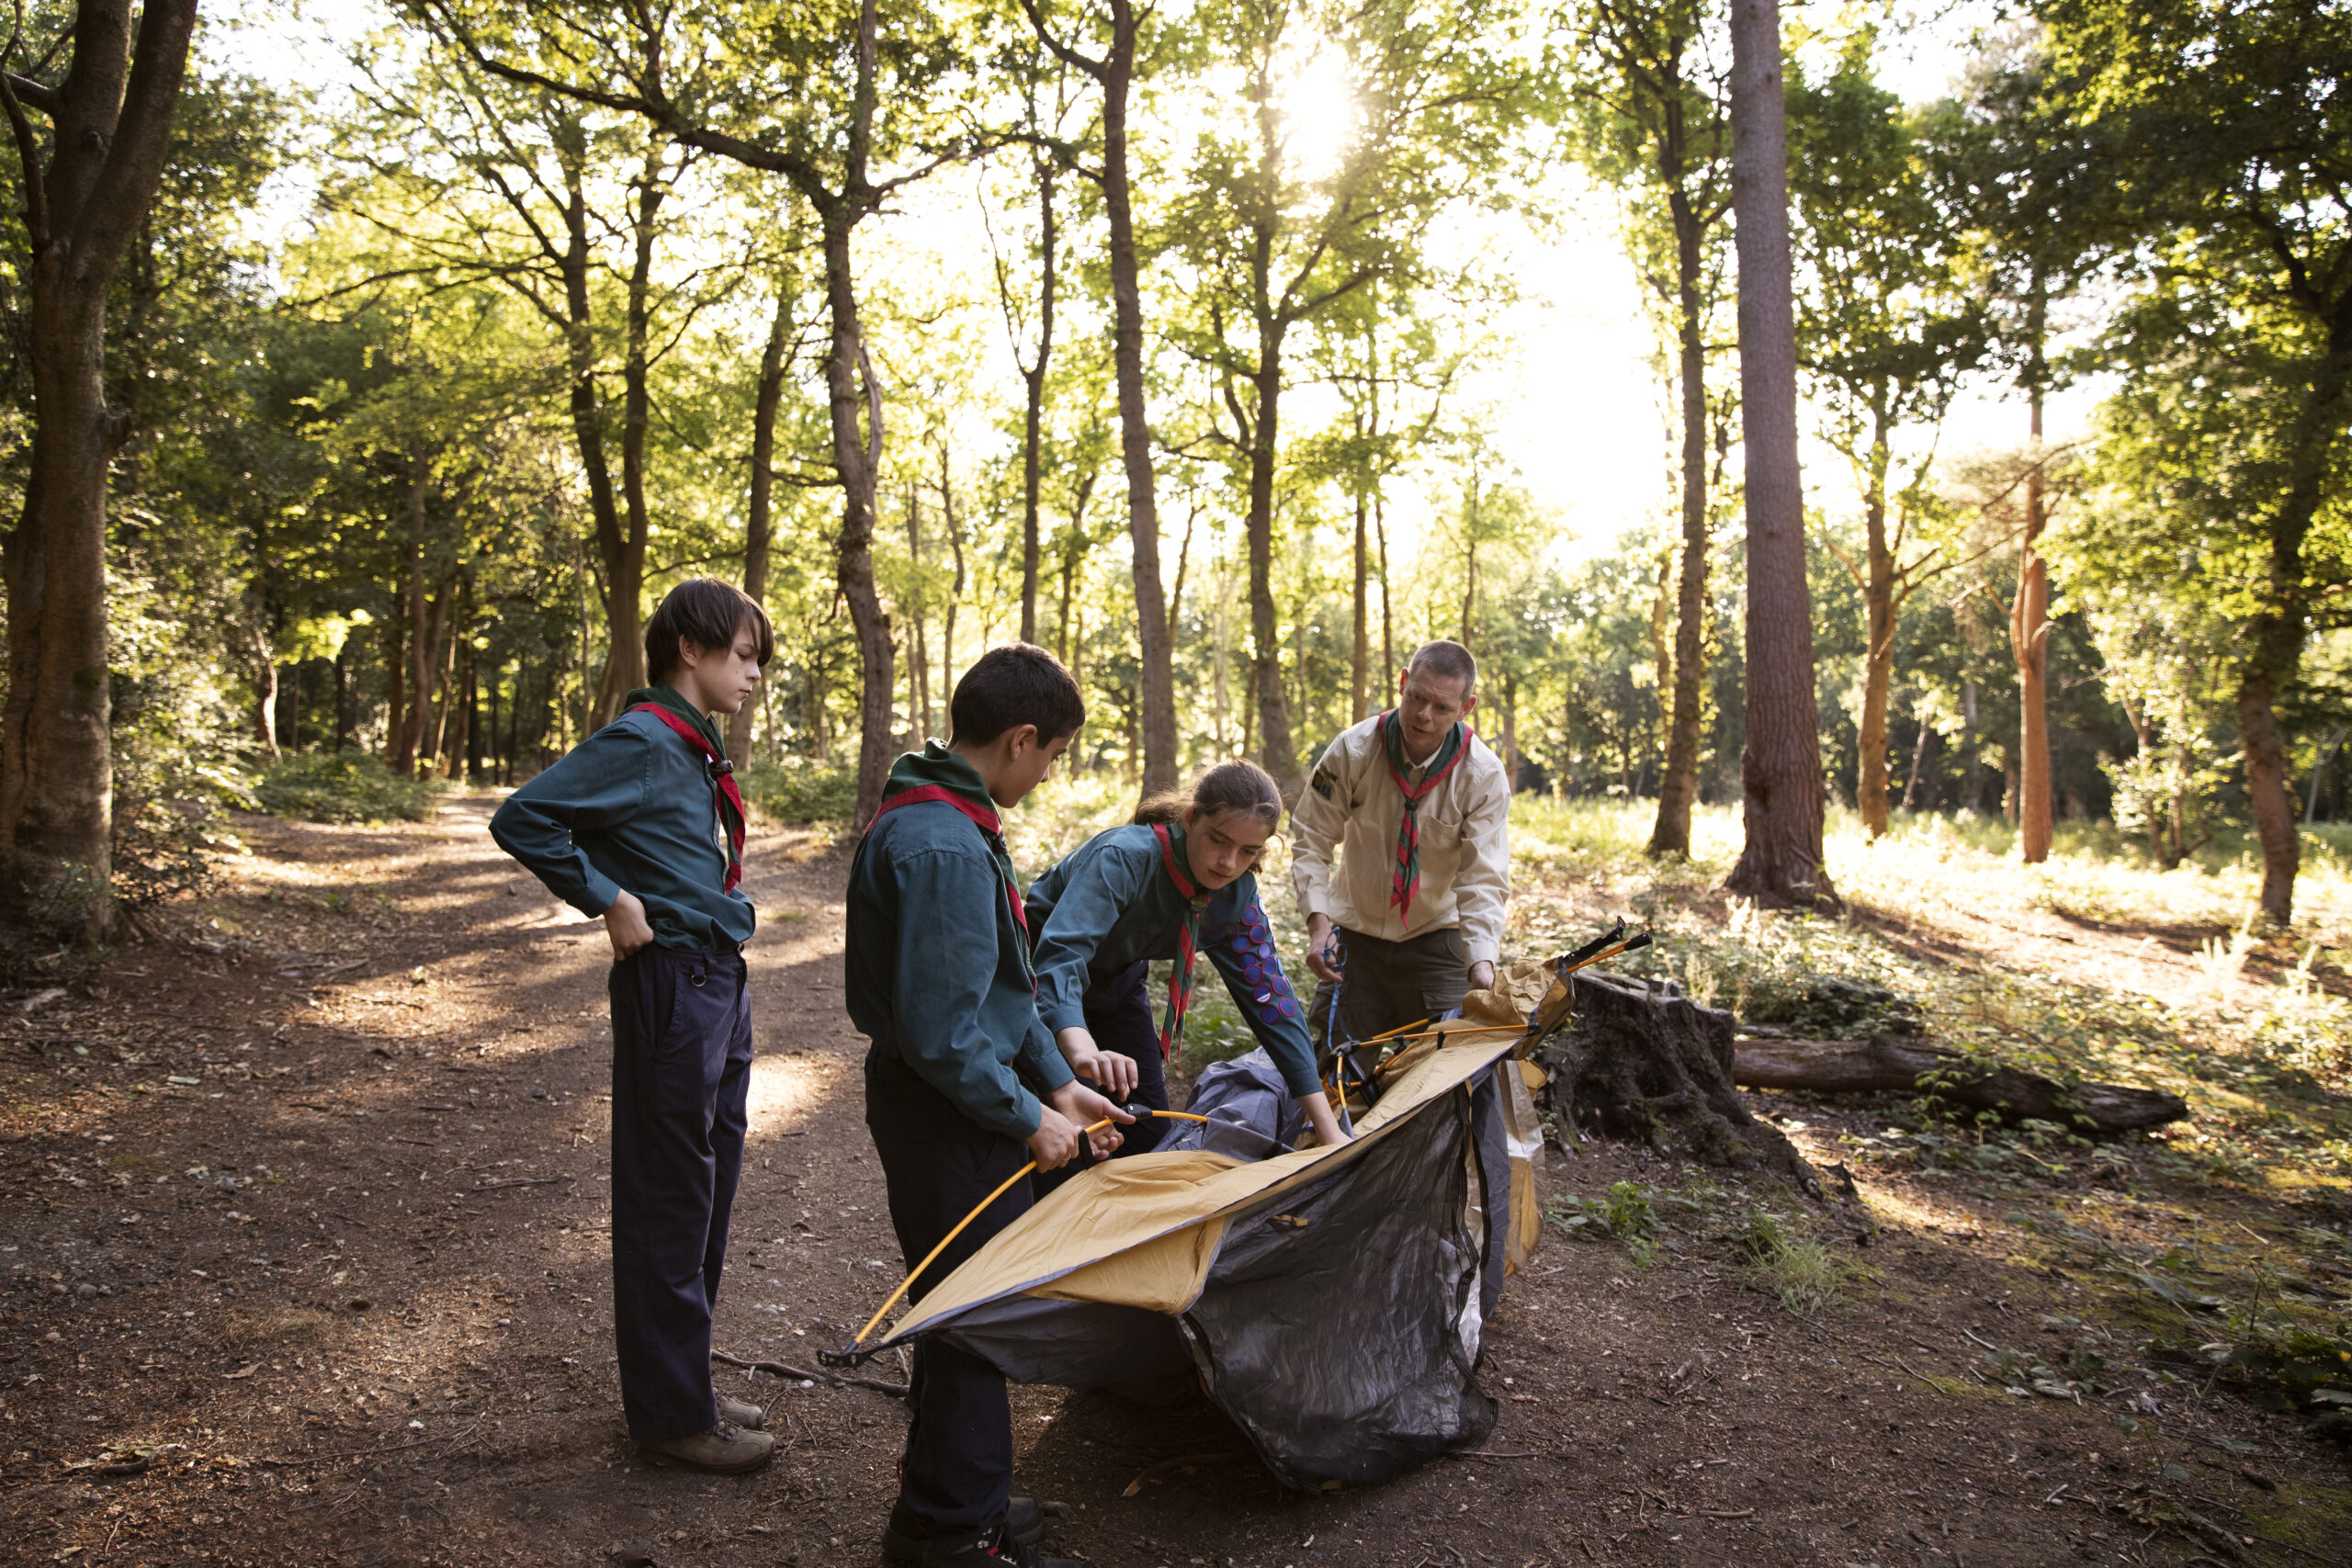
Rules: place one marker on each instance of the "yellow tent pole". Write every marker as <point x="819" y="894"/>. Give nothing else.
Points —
<point x="916" y="1272"/>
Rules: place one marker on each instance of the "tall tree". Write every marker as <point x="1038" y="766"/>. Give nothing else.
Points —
<point x="800" y="95"/>
<point x="1275" y="241"/>
<point x="88" y="186"/>
<point x="2040" y="197"/>
<point x="1651" y="102"/>
<point x="2226" y="128"/>
<point x="1887" y="325"/>
<point x="1117" y="28"/>
<point x="1781" y="862"/>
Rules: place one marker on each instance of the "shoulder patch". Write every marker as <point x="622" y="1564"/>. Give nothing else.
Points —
<point x="1323" y="783"/>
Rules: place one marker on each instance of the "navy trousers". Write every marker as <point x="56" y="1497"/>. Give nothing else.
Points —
<point x="1119" y="1015"/>
<point x="681" y="1066"/>
<point x="938" y="1163"/>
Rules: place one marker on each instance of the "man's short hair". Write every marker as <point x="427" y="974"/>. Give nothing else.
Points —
<point x="708" y="613"/>
<point x="1448" y="660"/>
<point x="1012" y="685"/>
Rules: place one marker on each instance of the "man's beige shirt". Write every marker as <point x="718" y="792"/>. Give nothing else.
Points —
<point x="1349" y="812"/>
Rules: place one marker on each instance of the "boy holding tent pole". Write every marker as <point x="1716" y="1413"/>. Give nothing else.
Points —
<point x="642" y="824"/>
<point x="1402" y="859"/>
<point x="961" y="1073"/>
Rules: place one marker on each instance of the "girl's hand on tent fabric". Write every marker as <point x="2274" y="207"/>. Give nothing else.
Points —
<point x="624" y="923"/>
<point x="1319" y="1116"/>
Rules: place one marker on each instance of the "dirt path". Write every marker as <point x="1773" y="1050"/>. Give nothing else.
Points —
<point x="305" y="1260"/>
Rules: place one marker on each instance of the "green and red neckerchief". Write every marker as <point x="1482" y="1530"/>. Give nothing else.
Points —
<point x="1173" y="861"/>
<point x="1406" y="881"/>
<point x="695" y="727"/>
<point x="937" y="773"/>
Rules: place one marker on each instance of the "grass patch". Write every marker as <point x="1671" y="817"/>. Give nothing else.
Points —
<point x="342" y="786"/>
<point x="1796" y="1270"/>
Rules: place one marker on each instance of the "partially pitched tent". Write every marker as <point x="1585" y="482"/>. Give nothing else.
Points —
<point x="1330" y="1300"/>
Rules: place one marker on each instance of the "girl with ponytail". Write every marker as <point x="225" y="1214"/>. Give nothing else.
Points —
<point x="1178" y="884"/>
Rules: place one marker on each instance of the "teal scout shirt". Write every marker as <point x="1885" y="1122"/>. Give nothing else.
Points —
<point x="633" y="806"/>
<point x="1111" y="904"/>
<point x="937" y="964"/>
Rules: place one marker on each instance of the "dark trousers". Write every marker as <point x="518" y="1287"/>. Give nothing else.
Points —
<point x="938" y="1164"/>
<point x="682" y="1066"/>
<point x="1119" y="1015"/>
<point x="1387" y="985"/>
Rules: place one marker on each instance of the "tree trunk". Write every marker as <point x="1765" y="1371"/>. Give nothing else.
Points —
<point x="956" y="595"/>
<point x="1156" y="677"/>
<point x="758" y="525"/>
<point x="1387" y="635"/>
<point x="394" y="650"/>
<point x="1879" y="605"/>
<point x="1895" y="1066"/>
<point x="1918" y="757"/>
<point x="112" y="130"/>
<point x="857" y="458"/>
<point x="587" y="411"/>
<point x="418" y="640"/>
<point x="1359" y="655"/>
<point x="1632" y="1063"/>
<point x="2029" y="643"/>
<point x="624" y="569"/>
<point x="343" y="697"/>
<point x="266" y="695"/>
<point x="1034" y="413"/>
<point x="918" y="656"/>
<point x="1275" y="749"/>
<point x="1780" y="863"/>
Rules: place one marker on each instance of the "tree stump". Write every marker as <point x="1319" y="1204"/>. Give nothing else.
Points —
<point x="1639" y="1063"/>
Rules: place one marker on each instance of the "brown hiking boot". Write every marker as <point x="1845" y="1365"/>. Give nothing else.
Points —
<point x="725" y="1450"/>
<point x="743" y="1413"/>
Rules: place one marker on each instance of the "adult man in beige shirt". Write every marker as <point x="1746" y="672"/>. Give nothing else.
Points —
<point x="1415" y="810"/>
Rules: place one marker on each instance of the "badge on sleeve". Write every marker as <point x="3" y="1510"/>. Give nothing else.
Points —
<point x="1323" y="782"/>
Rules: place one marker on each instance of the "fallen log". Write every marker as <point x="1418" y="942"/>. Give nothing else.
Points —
<point x="1905" y="1066"/>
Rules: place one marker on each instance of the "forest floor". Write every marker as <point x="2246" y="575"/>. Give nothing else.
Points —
<point x="305" y="1261"/>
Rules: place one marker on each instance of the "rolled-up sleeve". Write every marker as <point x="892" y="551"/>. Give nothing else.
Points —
<point x="598" y="784"/>
<point x="945" y="970"/>
<point x="1482" y="883"/>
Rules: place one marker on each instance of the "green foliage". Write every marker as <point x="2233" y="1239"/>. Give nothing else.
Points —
<point x="1797" y="1271"/>
<point x="342" y="786"/>
<point x="795" y="789"/>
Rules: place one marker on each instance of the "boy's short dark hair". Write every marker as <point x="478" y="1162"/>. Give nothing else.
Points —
<point x="1009" y="686"/>
<point x="708" y="612"/>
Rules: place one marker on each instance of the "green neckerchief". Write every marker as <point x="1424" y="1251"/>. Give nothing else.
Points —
<point x="936" y="767"/>
<point x="668" y="697"/>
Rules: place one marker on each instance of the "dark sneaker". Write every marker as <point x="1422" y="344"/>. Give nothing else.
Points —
<point x="725" y="1450"/>
<point x="742" y="1413"/>
<point x="908" y="1533"/>
<point x="996" y="1548"/>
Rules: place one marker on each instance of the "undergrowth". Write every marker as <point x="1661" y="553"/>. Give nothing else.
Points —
<point x="798" y="789"/>
<point x="342" y="786"/>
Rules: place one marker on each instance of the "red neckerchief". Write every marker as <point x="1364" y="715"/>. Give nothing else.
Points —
<point x="723" y="773"/>
<point x="1188" y="944"/>
<point x="1405" y="881"/>
<point x="988" y="822"/>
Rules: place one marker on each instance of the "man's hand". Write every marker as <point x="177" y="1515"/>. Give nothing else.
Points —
<point x="624" y="923"/>
<point x="1482" y="975"/>
<point x="1083" y="1107"/>
<point x="1322" y="954"/>
<point x="1113" y="1073"/>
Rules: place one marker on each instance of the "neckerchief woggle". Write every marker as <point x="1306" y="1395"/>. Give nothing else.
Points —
<point x="657" y="701"/>
<point x="1407" y="880"/>
<point x="1188" y="939"/>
